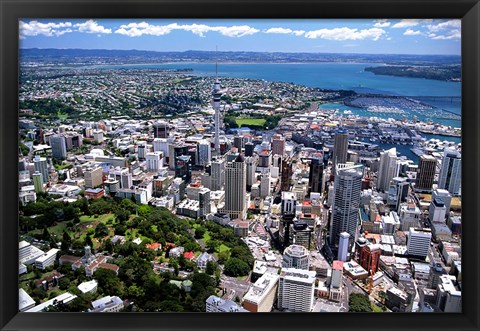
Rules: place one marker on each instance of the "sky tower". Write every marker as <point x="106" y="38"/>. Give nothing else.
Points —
<point x="217" y="94"/>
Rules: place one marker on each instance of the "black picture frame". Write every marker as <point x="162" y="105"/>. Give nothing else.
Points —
<point x="13" y="10"/>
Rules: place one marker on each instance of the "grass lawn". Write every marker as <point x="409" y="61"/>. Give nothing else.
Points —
<point x="250" y="121"/>
<point x="375" y="308"/>
<point x="223" y="248"/>
<point x="105" y="218"/>
<point x="62" y="116"/>
<point x="206" y="236"/>
<point x="56" y="231"/>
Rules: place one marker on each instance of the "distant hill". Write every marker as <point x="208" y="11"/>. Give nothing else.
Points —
<point x="134" y="56"/>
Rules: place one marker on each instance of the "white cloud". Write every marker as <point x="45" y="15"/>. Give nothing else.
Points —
<point x="454" y="34"/>
<point x="445" y="30"/>
<point x="285" y="31"/>
<point x="451" y="24"/>
<point x="35" y="28"/>
<point x="91" y="26"/>
<point x="345" y="34"/>
<point x="407" y="23"/>
<point x="381" y="23"/>
<point x="411" y="32"/>
<point x="144" y="28"/>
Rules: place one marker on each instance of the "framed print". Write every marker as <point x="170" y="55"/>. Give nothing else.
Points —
<point x="239" y="165"/>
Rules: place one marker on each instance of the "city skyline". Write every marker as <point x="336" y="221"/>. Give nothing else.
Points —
<point x="361" y="36"/>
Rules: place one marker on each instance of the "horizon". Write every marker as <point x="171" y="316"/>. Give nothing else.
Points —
<point x="343" y="36"/>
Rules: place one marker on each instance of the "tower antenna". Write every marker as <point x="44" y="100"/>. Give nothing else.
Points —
<point x="216" y="63"/>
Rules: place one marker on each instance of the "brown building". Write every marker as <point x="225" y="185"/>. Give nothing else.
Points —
<point x="370" y="257"/>
<point x="426" y="173"/>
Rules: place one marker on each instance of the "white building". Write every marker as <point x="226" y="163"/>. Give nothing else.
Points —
<point x="343" y="246"/>
<point x="154" y="161"/>
<point x="296" y="289"/>
<point x="108" y="304"/>
<point x="262" y="294"/>
<point x="27" y="253"/>
<point x="41" y="165"/>
<point x="47" y="259"/>
<point x="265" y="185"/>
<point x="25" y="302"/>
<point x="418" y="241"/>
<point x="450" y="177"/>
<point x="218" y="175"/>
<point x="214" y="304"/>
<point x="295" y="256"/>
<point x="437" y="211"/>
<point x="449" y="298"/>
<point x="88" y="287"/>
<point x="65" y="298"/>
<point x="387" y="169"/>
<point x="409" y="216"/>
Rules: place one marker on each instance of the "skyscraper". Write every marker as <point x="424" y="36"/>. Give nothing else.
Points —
<point x="154" y="161"/>
<point x="41" y="166"/>
<point x="204" y="152"/>
<point x="59" y="147"/>
<point x="388" y="169"/>
<point x="278" y="145"/>
<point x="160" y="129"/>
<point x="235" y="188"/>
<point x="343" y="246"/>
<point x="38" y="182"/>
<point x="340" y="147"/>
<point x="450" y="177"/>
<point x="251" y="164"/>
<point x="218" y="174"/>
<point x="296" y="289"/>
<point x="426" y="173"/>
<point x="315" y="175"/>
<point x="346" y="201"/>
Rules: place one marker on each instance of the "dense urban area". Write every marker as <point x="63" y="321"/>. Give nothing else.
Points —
<point x="155" y="190"/>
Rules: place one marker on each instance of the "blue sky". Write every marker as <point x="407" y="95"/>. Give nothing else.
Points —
<point x="409" y="36"/>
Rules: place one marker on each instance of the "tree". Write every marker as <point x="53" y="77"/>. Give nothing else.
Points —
<point x="108" y="281"/>
<point x="211" y="267"/>
<point x="200" y="232"/>
<point x="235" y="267"/>
<point x="101" y="231"/>
<point x="63" y="283"/>
<point x="359" y="303"/>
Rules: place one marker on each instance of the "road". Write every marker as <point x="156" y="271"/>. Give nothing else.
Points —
<point x="231" y="283"/>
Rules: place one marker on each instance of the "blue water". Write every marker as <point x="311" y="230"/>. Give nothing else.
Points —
<point x="336" y="76"/>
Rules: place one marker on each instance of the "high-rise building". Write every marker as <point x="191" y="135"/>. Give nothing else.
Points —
<point x="38" y="182"/>
<point x="265" y="158"/>
<point x="265" y="185"/>
<point x="370" y="257"/>
<point x="437" y="211"/>
<point x="59" y="147"/>
<point x="296" y="289"/>
<point x="409" y="216"/>
<point x="160" y="129"/>
<point x="204" y="152"/>
<point x="343" y="246"/>
<point x="261" y="296"/>
<point x="315" y="174"/>
<point x="249" y="147"/>
<point x="450" y="177"/>
<point x="218" y="174"/>
<point x="340" y="147"/>
<point x="295" y="256"/>
<point x="238" y="142"/>
<point x="287" y="172"/>
<point x="204" y="201"/>
<point x="183" y="168"/>
<point x="93" y="177"/>
<point x="346" y="201"/>
<point x="426" y="173"/>
<point x="445" y="196"/>
<point x="41" y="166"/>
<point x="251" y="164"/>
<point x="278" y="145"/>
<point x="418" y="242"/>
<point x="387" y="169"/>
<point x="154" y="161"/>
<point x="235" y="188"/>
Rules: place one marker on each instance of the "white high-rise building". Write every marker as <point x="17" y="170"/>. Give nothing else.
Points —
<point x="235" y="188"/>
<point x="251" y="164"/>
<point x="388" y="169"/>
<point x="409" y="216"/>
<point x="295" y="256"/>
<point x="154" y="161"/>
<point x="346" y="201"/>
<point x="218" y="175"/>
<point x="41" y="166"/>
<point x="265" y="185"/>
<point x="343" y="246"/>
<point x="296" y="289"/>
<point x="445" y="196"/>
<point x="437" y="211"/>
<point x="289" y="203"/>
<point x="204" y="153"/>
<point x="450" y="177"/>
<point x="161" y="145"/>
<point x="418" y="242"/>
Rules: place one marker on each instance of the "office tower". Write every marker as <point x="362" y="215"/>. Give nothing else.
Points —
<point x="445" y="196"/>
<point x="437" y="211"/>
<point x="426" y="173"/>
<point x="315" y="174"/>
<point x="346" y="201"/>
<point x="174" y="151"/>
<point x="160" y="129"/>
<point x="235" y="188"/>
<point x="154" y="161"/>
<point x="336" y="281"/>
<point x="93" y="177"/>
<point x="204" y="201"/>
<point x="289" y="206"/>
<point x="217" y="94"/>
<point x="387" y="169"/>
<point x="123" y="176"/>
<point x="161" y="145"/>
<point x="295" y="256"/>
<point x="450" y="177"/>
<point x="418" y="242"/>
<point x="299" y="233"/>
<point x="41" y="166"/>
<point x="409" y="216"/>
<point x="98" y="136"/>
<point x="287" y="172"/>
<point x="343" y="246"/>
<point x="296" y="289"/>
<point x="183" y="168"/>
<point x="251" y="164"/>
<point x="449" y="296"/>
<point x="265" y="185"/>
<point x="340" y="147"/>
<point x="218" y="175"/>
<point x="59" y="147"/>
<point x="278" y="145"/>
<point x="204" y="152"/>
<point x="289" y="203"/>
<point x="370" y="257"/>
<point x="238" y="142"/>
<point x="142" y="151"/>
<point x="38" y="182"/>
<point x="261" y="296"/>
<point x="265" y="158"/>
<point x="249" y="147"/>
